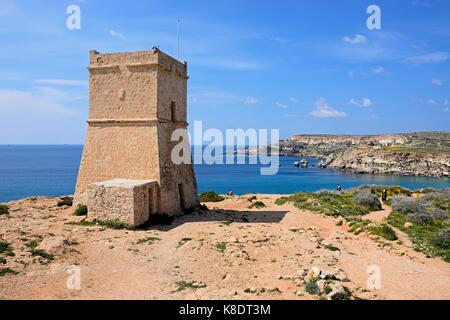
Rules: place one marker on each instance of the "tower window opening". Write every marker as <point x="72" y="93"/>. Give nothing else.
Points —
<point x="172" y="111"/>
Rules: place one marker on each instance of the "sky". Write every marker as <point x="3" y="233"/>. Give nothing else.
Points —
<point x="297" y="66"/>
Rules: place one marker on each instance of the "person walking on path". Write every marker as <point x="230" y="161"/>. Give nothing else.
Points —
<point x="384" y="195"/>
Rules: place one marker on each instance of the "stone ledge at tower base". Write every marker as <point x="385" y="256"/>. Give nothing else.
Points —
<point x="125" y="201"/>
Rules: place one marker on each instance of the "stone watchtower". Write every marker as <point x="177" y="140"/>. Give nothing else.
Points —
<point x="136" y="101"/>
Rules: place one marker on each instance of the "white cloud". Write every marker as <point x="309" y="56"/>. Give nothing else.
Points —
<point x="250" y="101"/>
<point x="446" y="109"/>
<point x="281" y="105"/>
<point x="116" y="34"/>
<point x="356" y="39"/>
<point x="39" y="116"/>
<point x="228" y="64"/>
<point x="433" y="57"/>
<point x="324" y="110"/>
<point x="378" y="70"/>
<point x="280" y="40"/>
<point x="432" y="102"/>
<point x="211" y="96"/>
<point x="62" y="82"/>
<point x="293" y="99"/>
<point x="383" y="45"/>
<point x="365" y="102"/>
<point x="421" y="3"/>
<point x="437" y="82"/>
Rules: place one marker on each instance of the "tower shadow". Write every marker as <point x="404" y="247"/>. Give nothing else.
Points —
<point x="225" y="217"/>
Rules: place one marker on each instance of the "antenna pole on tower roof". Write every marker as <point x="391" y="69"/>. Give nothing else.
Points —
<point x="178" y="38"/>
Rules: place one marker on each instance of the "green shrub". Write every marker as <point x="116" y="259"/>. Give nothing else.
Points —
<point x="183" y="285"/>
<point x="420" y="218"/>
<point x="42" y="254"/>
<point x="211" y="196"/>
<point x="384" y="231"/>
<point x="116" y="224"/>
<point x="367" y="199"/>
<point x="65" y="201"/>
<point x="32" y="245"/>
<point x="6" y="248"/>
<point x="183" y="241"/>
<point x="312" y="288"/>
<point x="4" y="209"/>
<point x="405" y="205"/>
<point x="81" y="210"/>
<point x="221" y="246"/>
<point x="328" y="202"/>
<point x="111" y="224"/>
<point x="429" y="213"/>
<point x="257" y="205"/>
<point x="442" y="239"/>
<point x="5" y="271"/>
<point x="390" y="190"/>
<point x="281" y="201"/>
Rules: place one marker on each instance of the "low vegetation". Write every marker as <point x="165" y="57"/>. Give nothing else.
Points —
<point x="155" y="219"/>
<point x="211" y="196"/>
<point x="192" y="285"/>
<point x="148" y="240"/>
<point x="257" y="205"/>
<point x="350" y="205"/>
<point x="367" y="199"/>
<point x="35" y="252"/>
<point x="5" y="271"/>
<point x="111" y="224"/>
<point x="81" y="210"/>
<point x="183" y="241"/>
<point x="354" y="202"/>
<point x="390" y="190"/>
<point x="327" y="202"/>
<point x="6" y="249"/>
<point x="221" y="246"/>
<point x="426" y="219"/>
<point x="384" y="231"/>
<point x="312" y="288"/>
<point x="4" y="209"/>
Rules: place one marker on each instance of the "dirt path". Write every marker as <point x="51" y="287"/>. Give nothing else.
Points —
<point x="379" y="216"/>
<point x="229" y="252"/>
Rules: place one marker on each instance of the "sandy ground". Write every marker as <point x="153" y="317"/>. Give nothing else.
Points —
<point x="256" y="254"/>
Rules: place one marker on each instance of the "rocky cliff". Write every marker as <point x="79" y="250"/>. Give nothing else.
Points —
<point x="413" y="154"/>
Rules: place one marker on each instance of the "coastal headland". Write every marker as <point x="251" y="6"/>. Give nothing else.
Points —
<point x="408" y="154"/>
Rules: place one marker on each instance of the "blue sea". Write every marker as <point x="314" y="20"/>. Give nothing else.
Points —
<point x="52" y="171"/>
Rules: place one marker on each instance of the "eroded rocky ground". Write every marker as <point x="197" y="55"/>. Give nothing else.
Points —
<point x="227" y="252"/>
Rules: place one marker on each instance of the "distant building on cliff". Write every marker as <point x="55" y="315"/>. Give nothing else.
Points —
<point x="137" y="100"/>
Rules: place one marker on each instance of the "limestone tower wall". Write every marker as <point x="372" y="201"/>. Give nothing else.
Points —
<point x="136" y="101"/>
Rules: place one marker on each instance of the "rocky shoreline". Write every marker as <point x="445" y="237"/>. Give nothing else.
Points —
<point x="412" y="154"/>
<point x="396" y="163"/>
